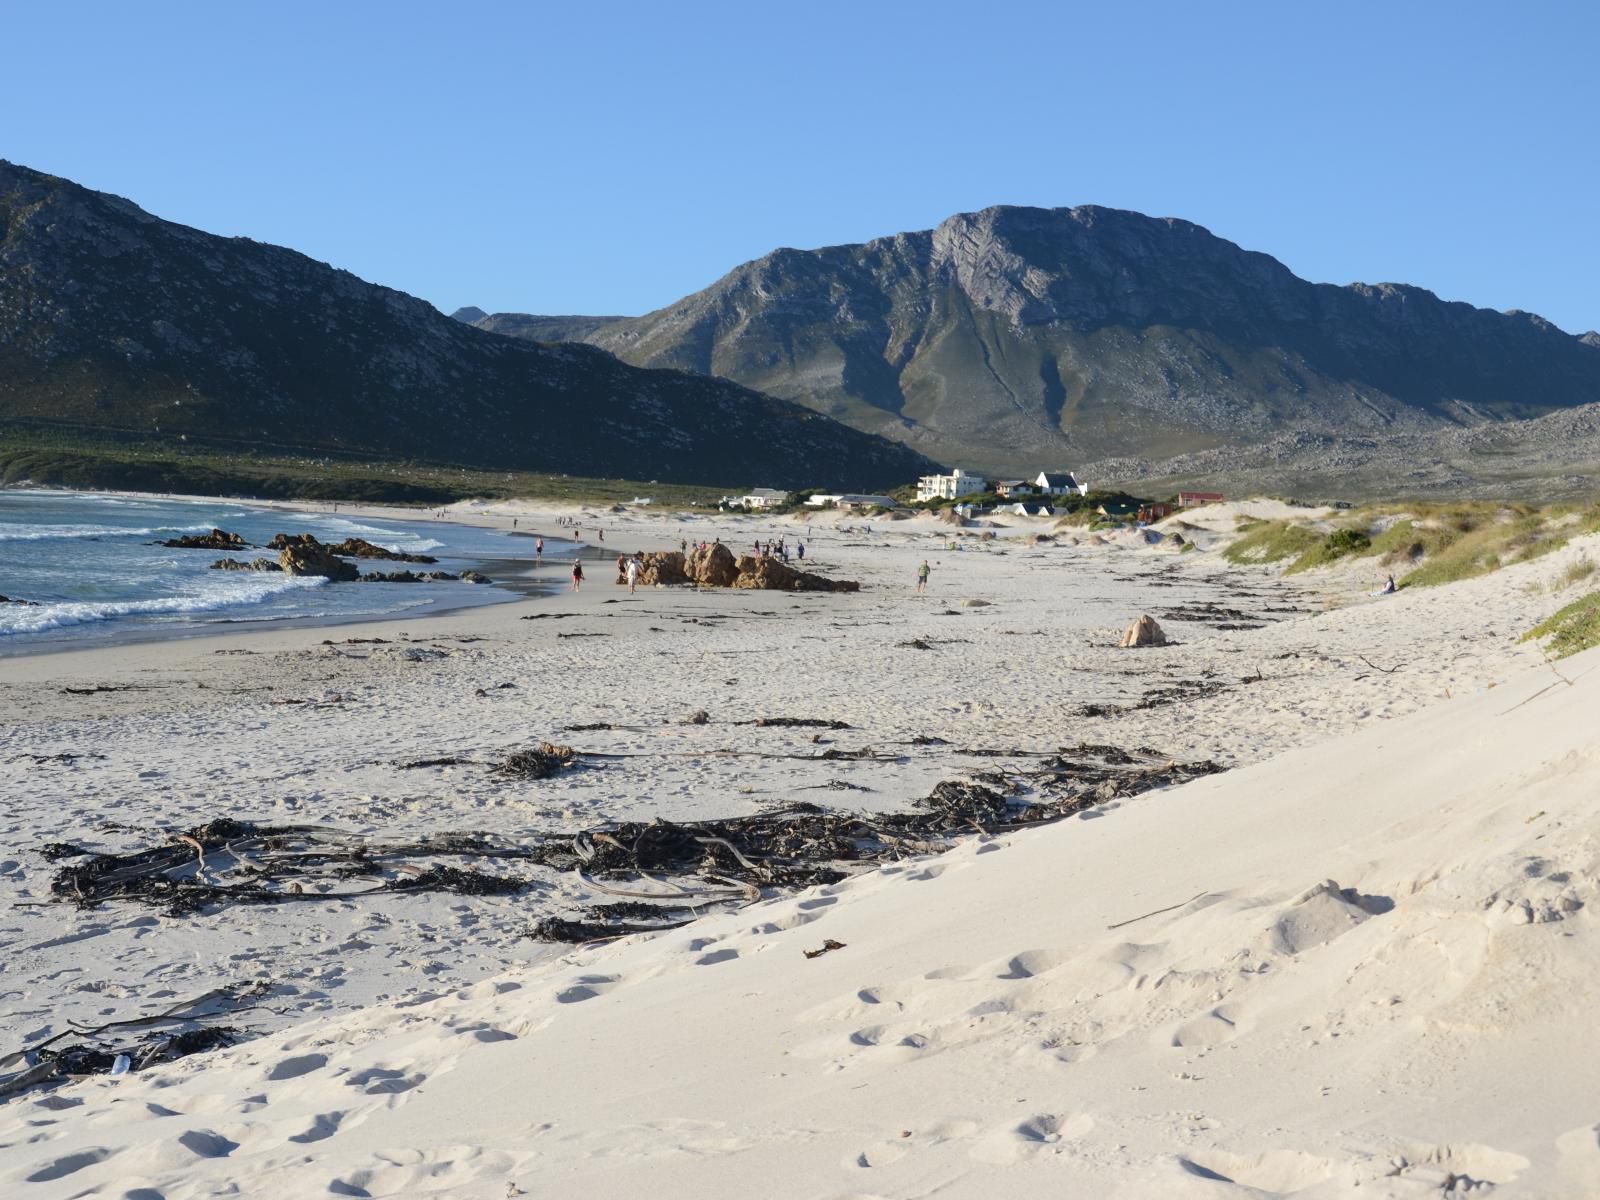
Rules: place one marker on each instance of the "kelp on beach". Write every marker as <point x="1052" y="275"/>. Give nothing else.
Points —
<point x="676" y="867"/>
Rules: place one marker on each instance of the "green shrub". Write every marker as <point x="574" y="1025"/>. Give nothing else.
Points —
<point x="1575" y="627"/>
<point x="1347" y="541"/>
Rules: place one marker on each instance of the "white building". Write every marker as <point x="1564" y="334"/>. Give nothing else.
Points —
<point x="822" y="499"/>
<point x="765" y="498"/>
<point x="1060" y="483"/>
<point x="949" y="487"/>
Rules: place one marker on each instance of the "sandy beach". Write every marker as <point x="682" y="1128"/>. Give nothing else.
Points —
<point x="992" y="1027"/>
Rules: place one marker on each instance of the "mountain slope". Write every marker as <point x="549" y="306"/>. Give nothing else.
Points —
<point x="1018" y="337"/>
<point x="114" y="320"/>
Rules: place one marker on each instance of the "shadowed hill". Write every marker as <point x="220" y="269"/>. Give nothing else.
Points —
<point x="113" y="321"/>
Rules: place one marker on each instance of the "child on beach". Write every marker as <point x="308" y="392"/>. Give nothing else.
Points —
<point x="633" y="575"/>
<point x="922" y="576"/>
<point x="577" y="576"/>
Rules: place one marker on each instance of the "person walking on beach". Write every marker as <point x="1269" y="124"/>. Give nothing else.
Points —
<point x="633" y="575"/>
<point x="922" y="576"/>
<point x="538" y="548"/>
<point x="800" y="551"/>
<point x="577" y="576"/>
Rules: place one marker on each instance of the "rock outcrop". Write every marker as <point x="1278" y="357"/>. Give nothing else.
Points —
<point x="716" y="566"/>
<point x="410" y="577"/>
<point x="361" y="548"/>
<point x="217" y="539"/>
<point x="712" y="566"/>
<point x="1143" y="632"/>
<point x="772" y="574"/>
<point x="663" y="568"/>
<point x="236" y="564"/>
<point x="311" y="557"/>
<point x="353" y="547"/>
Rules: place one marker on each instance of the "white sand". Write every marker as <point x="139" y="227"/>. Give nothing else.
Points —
<point x="983" y="1032"/>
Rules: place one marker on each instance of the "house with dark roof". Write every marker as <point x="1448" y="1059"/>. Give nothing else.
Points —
<point x="1058" y="483"/>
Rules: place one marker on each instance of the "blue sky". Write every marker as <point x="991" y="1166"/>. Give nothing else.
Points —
<point x="611" y="158"/>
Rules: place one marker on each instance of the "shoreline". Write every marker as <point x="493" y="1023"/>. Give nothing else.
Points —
<point x="516" y="575"/>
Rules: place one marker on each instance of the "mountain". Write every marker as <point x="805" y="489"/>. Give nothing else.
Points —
<point x="117" y="323"/>
<point x="1015" y="338"/>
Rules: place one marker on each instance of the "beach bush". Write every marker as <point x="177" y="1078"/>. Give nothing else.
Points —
<point x="1571" y="629"/>
<point x="1334" y="546"/>
<point x="1272" y="541"/>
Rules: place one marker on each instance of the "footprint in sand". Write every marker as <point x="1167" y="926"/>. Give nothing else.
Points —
<point x="1221" y="1024"/>
<point x="1033" y="962"/>
<point x="1039" y="1134"/>
<point x="293" y="1068"/>
<point x="69" y="1164"/>
<point x="586" y="987"/>
<point x="381" y="1081"/>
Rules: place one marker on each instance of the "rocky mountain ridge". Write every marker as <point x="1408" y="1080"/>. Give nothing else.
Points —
<point x="1015" y="336"/>
<point x="113" y="321"/>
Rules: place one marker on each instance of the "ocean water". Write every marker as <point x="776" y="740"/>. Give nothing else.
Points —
<point x="87" y="562"/>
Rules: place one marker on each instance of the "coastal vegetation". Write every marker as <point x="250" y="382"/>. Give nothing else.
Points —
<point x="1432" y="543"/>
<point x="1570" y="629"/>
<point x="33" y="454"/>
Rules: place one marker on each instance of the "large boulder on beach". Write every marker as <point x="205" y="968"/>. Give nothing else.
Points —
<point x="311" y="557"/>
<point x="1143" y="632"/>
<point x="217" y="539"/>
<point x="663" y="567"/>
<point x="771" y="574"/>
<point x="712" y="566"/>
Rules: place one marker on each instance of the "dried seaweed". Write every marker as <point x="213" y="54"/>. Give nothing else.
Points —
<point x="541" y="762"/>
<point x="55" y="851"/>
<point x="95" y="1051"/>
<point x="794" y="723"/>
<point x="677" y="867"/>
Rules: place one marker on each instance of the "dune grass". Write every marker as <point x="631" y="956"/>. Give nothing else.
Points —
<point x="1577" y="571"/>
<point x="1441" y="543"/>
<point x="1571" y="629"/>
<point x="1271" y="541"/>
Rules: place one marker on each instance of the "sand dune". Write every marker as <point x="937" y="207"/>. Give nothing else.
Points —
<point x="1361" y="964"/>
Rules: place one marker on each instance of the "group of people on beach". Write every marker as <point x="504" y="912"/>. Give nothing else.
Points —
<point x="779" y="549"/>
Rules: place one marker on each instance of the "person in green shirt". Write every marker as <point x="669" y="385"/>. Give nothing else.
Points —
<point x="922" y="576"/>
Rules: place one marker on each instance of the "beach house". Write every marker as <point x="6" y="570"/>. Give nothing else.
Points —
<point x="765" y="498"/>
<point x="1196" y="499"/>
<point x="1010" y="488"/>
<point x="1059" y="483"/>
<point x="853" y="502"/>
<point x="949" y="487"/>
